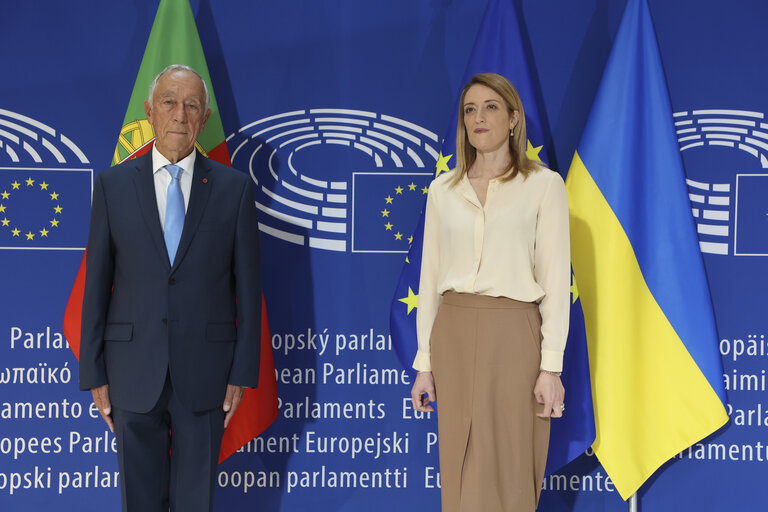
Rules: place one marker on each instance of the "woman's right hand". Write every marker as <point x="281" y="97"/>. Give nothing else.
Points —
<point x="423" y="385"/>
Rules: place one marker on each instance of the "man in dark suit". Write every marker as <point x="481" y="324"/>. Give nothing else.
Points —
<point x="171" y="312"/>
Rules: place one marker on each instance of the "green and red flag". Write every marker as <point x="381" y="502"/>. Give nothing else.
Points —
<point x="174" y="40"/>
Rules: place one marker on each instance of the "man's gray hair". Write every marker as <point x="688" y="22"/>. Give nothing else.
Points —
<point x="178" y="67"/>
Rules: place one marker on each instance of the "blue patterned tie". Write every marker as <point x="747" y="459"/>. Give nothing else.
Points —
<point x="174" y="211"/>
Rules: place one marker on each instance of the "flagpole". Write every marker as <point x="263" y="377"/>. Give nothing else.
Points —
<point x="633" y="503"/>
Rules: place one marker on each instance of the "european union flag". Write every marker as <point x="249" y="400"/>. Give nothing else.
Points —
<point x="44" y="208"/>
<point x="386" y="205"/>
<point x="751" y="215"/>
<point x="499" y="48"/>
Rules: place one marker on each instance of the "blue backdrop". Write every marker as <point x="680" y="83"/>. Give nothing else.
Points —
<point x="332" y="106"/>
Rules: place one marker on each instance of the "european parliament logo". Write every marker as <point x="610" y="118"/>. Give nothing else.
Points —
<point x="45" y="187"/>
<point x="338" y="179"/>
<point x="727" y="184"/>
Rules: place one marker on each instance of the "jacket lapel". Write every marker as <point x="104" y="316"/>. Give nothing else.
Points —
<point x="198" y="199"/>
<point x="144" y="181"/>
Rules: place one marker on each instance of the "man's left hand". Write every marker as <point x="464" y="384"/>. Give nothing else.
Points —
<point x="231" y="401"/>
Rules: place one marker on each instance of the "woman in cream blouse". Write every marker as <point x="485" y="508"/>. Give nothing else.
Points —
<point x="494" y="299"/>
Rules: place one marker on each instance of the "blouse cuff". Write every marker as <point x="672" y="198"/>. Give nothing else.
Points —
<point x="551" y="360"/>
<point x="422" y="362"/>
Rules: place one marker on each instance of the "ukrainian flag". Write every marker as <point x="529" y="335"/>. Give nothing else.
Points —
<point x="656" y="371"/>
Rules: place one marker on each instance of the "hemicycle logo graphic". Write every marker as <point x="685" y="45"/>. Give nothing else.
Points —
<point x="337" y="179"/>
<point x="45" y="187"/>
<point x="728" y="193"/>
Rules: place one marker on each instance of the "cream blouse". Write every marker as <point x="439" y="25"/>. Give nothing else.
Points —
<point x="517" y="246"/>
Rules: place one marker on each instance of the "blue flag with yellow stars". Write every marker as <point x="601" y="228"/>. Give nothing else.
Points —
<point x="751" y="236"/>
<point x="44" y="208"/>
<point x="499" y="48"/>
<point x="394" y="217"/>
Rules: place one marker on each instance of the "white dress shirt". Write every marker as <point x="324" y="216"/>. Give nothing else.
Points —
<point x="516" y="246"/>
<point x="163" y="179"/>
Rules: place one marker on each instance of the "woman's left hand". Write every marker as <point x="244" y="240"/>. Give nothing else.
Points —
<point x="550" y="392"/>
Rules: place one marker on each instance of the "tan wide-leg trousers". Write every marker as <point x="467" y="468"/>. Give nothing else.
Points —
<point x="485" y="354"/>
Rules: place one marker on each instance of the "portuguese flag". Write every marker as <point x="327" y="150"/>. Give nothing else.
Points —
<point x="174" y="40"/>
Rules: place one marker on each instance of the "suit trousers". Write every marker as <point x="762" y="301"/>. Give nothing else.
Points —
<point x="168" y="456"/>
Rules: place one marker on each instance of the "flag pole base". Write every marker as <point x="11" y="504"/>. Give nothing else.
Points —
<point x="632" y="501"/>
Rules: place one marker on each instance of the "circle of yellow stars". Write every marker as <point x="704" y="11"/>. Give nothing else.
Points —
<point x="399" y="190"/>
<point x="13" y="225"/>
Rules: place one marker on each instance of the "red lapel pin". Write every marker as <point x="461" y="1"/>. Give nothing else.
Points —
<point x="205" y="180"/>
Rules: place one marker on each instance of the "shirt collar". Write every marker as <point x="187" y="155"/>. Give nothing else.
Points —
<point x="159" y="161"/>
<point x="466" y="183"/>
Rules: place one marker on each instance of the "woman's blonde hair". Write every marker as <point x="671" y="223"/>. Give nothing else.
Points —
<point x="518" y="143"/>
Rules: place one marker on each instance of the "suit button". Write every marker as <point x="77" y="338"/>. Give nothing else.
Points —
<point x="171" y="281"/>
<point x="165" y="321"/>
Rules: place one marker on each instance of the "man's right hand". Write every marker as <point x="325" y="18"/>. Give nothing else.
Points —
<point x="101" y="399"/>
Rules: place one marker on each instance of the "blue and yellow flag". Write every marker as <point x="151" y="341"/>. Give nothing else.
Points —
<point x="656" y="371"/>
<point x="499" y="48"/>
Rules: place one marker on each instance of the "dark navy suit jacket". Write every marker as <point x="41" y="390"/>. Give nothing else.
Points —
<point x="198" y="316"/>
